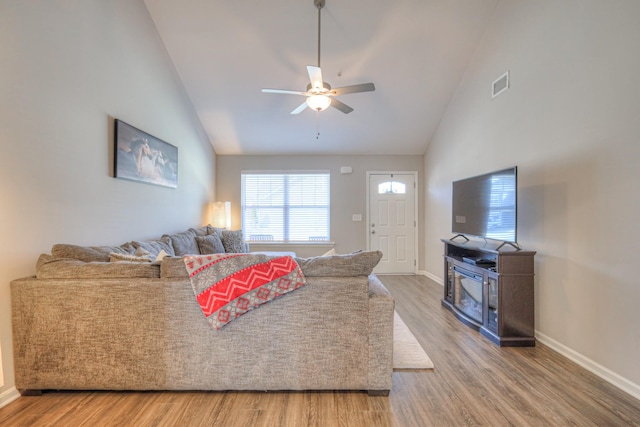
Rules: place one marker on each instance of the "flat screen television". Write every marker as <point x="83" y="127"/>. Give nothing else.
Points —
<point x="487" y="206"/>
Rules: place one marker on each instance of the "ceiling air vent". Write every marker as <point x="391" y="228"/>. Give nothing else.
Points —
<point x="500" y="85"/>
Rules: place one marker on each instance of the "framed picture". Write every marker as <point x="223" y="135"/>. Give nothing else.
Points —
<point x="142" y="157"/>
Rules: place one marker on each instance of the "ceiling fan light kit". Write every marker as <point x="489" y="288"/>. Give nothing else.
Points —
<point x="319" y="102"/>
<point x="319" y="93"/>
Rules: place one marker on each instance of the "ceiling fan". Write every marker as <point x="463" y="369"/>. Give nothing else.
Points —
<point x="319" y="93"/>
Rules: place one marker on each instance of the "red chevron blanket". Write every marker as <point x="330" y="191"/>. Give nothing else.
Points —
<point x="227" y="286"/>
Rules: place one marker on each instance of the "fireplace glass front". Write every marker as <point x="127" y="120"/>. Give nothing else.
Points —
<point x="468" y="293"/>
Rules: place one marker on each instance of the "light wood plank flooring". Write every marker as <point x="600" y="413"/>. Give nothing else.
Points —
<point x="474" y="383"/>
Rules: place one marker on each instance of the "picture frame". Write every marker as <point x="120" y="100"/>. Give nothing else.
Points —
<point x="139" y="156"/>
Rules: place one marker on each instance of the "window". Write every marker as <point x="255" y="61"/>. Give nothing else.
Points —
<point x="392" y="187"/>
<point x="285" y="207"/>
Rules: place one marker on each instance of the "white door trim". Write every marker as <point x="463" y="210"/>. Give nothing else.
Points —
<point x="415" y="213"/>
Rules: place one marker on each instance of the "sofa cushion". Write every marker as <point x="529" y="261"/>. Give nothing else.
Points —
<point x="184" y="243"/>
<point x="90" y="253"/>
<point x="217" y="231"/>
<point x="233" y="241"/>
<point x="210" y="244"/>
<point x="201" y="231"/>
<point x="207" y="230"/>
<point x="355" y="264"/>
<point x="155" y="246"/>
<point x="50" y="267"/>
<point x="172" y="267"/>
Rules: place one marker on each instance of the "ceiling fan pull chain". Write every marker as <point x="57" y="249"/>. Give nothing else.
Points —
<point x="317" y="125"/>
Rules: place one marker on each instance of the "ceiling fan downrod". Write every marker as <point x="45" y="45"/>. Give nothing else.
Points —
<point x="319" y="4"/>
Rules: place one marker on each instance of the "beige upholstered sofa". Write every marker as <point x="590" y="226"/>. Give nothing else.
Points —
<point x="91" y="324"/>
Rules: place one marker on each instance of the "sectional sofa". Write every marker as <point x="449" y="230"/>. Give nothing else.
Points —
<point x="103" y="318"/>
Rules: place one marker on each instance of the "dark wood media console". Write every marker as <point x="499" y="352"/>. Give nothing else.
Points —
<point x="489" y="287"/>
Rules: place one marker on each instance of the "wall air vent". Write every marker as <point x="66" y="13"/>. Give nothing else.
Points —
<point x="500" y="85"/>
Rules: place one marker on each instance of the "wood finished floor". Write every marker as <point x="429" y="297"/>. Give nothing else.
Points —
<point x="474" y="383"/>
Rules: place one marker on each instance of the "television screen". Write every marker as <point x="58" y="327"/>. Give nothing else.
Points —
<point x="486" y="205"/>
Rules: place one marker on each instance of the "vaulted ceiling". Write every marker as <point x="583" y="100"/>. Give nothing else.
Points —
<point x="414" y="51"/>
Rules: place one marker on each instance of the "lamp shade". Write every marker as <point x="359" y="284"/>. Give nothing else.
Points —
<point x="319" y="102"/>
<point x="221" y="214"/>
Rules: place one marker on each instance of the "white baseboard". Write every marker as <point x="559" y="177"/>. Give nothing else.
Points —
<point x="433" y="277"/>
<point x="8" y="396"/>
<point x="591" y="366"/>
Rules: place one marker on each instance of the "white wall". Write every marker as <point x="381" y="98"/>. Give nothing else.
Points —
<point x="570" y="123"/>
<point x="69" y="68"/>
<point x="348" y="191"/>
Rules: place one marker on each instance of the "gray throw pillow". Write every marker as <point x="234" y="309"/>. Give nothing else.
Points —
<point x="233" y="242"/>
<point x="206" y="230"/>
<point x="184" y="243"/>
<point x="155" y="246"/>
<point x="210" y="244"/>
<point x="116" y="257"/>
<point x="216" y="230"/>
<point x="201" y="231"/>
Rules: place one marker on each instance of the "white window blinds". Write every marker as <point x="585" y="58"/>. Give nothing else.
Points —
<point x="285" y="207"/>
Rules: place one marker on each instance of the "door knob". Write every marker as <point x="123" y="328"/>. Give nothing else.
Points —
<point x="373" y="225"/>
<point x="373" y="231"/>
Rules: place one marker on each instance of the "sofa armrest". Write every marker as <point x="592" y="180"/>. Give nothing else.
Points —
<point x="381" y="309"/>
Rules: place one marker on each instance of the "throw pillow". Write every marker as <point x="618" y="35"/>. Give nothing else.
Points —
<point x="116" y="257"/>
<point x="216" y="230"/>
<point x="329" y="252"/>
<point x="155" y="246"/>
<point x="210" y="244"/>
<point x="184" y="243"/>
<point x="233" y="242"/>
<point x="162" y="255"/>
<point x="201" y="231"/>
<point x="206" y="230"/>
<point x="140" y="255"/>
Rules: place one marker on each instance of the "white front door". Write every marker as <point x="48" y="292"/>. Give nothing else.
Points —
<point x="392" y="221"/>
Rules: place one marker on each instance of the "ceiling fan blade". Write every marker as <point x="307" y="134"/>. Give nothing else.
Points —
<point x="364" y="87"/>
<point x="341" y="106"/>
<point x="315" y="76"/>
<point x="300" y="108"/>
<point x="290" y="92"/>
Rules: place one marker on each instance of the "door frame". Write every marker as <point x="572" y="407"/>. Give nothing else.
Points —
<point x="415" y="210"/>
